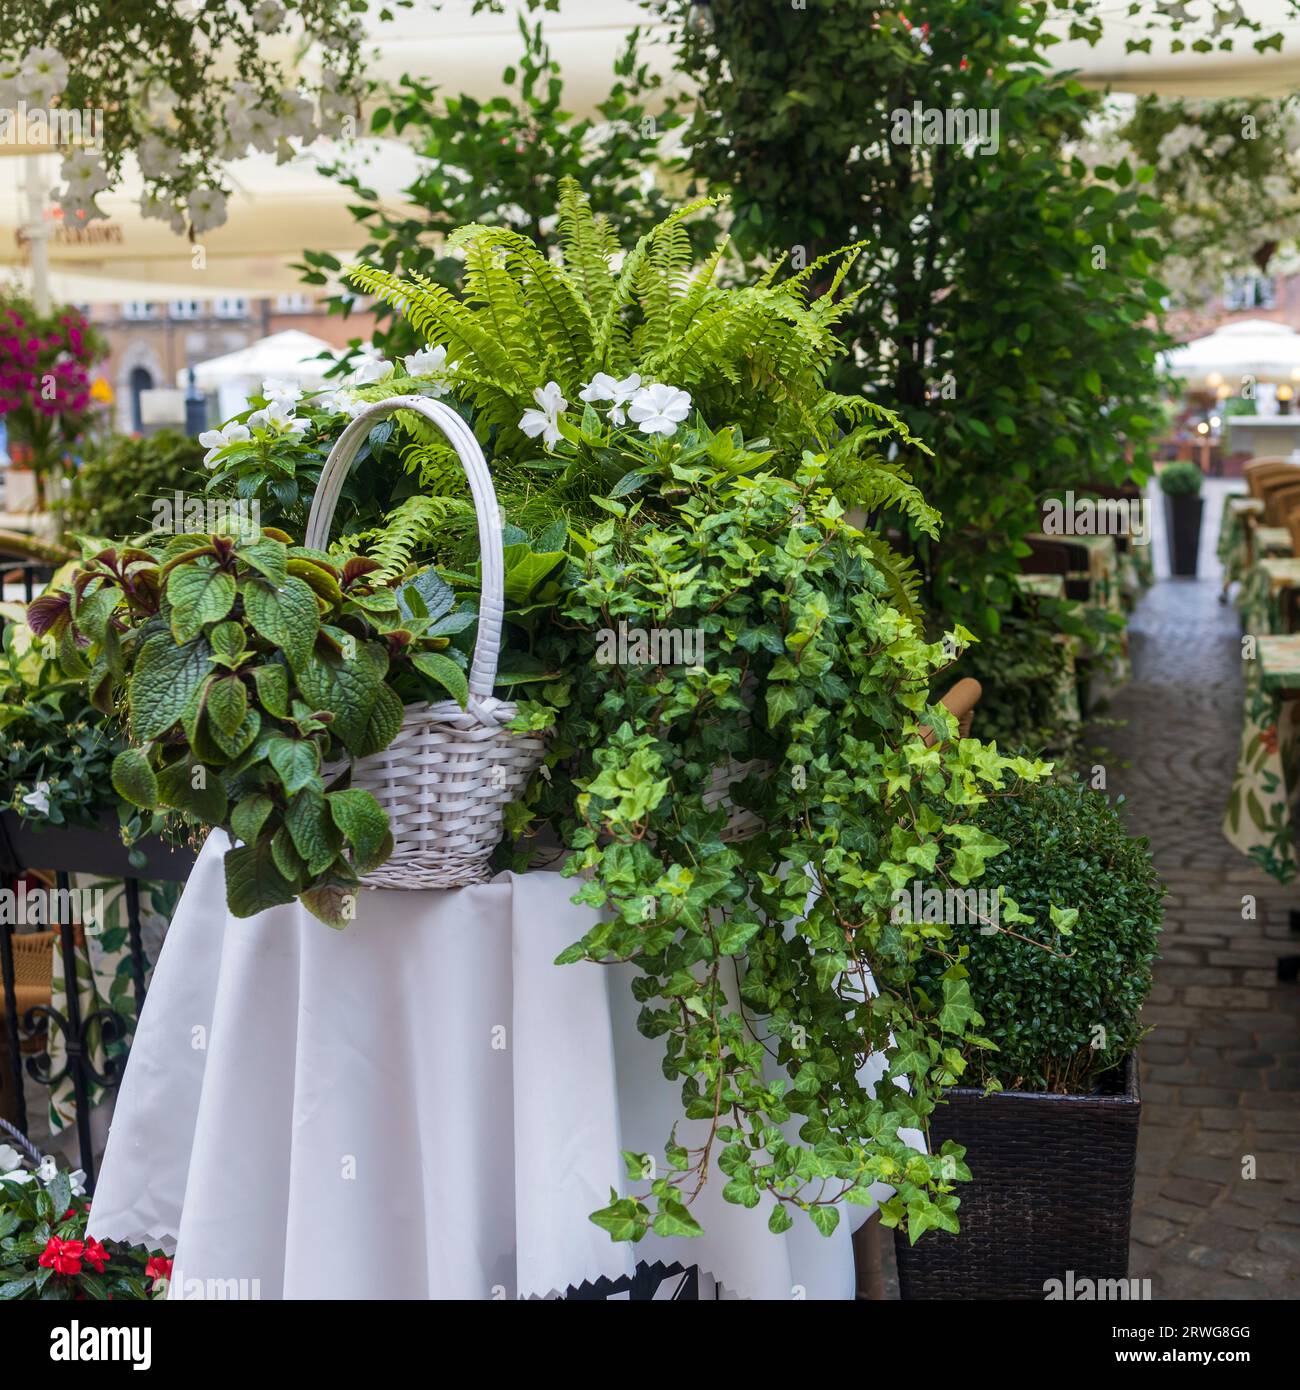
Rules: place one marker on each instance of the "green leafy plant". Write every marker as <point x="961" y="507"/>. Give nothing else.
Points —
<point x="56" y="749"/>
<point x="113" y="492"/>
<point x="1061" y="995"/>
<point x="246" y="664"/>
<point x="723" y="628"/>
<point x="1005" y="299"/>
<point x="1180" y="479"/>
<point x="45" y="1252"/>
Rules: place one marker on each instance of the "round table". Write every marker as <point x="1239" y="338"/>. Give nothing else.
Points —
<point x="420" y="1106"/>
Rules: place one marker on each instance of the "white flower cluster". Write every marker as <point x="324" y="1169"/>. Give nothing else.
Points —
<point x="278" y="416"/>
<point x="12" y="1170"/>
<point x="40" y="77"/>
<point x="654" y="407"/>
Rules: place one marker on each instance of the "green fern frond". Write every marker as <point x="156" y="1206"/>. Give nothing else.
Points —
<point x="588" y="244"/>
<point x="900" y="576"/>
<point x="411" y="526"/>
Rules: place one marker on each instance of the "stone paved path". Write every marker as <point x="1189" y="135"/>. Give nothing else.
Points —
<point x="1221" y="1068"/>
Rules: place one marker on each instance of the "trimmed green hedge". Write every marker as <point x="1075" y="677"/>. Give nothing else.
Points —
<point x="114" y="490"/>
<point x="1062" y="1016"/>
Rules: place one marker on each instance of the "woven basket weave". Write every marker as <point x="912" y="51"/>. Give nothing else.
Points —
<point x="1051" y="1193"/>
<point x="448" y="776"/>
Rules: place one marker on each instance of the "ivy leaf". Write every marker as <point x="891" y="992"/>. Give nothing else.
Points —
<point x="624" y="1219"/>
<point x="672" y="1219"/>
<point x="1064" y="919"/>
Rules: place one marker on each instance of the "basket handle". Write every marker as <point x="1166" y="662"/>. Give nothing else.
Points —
<point x="483" y="669"/>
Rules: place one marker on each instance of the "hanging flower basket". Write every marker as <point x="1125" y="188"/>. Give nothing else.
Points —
<point x="449" y="774"/>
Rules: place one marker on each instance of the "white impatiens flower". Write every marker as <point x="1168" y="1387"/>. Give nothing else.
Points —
<point x="431" y="364"/>
<point x="279" y="417"/>
<point x="216" y="440"/>
<point x="207" y="209"/>
<point x="42" y="76"/>
<point x="545" y="420"/>
<point x="372" y="366"/>
<point x="39" y="800"/>
<point x="285" y="393"/>
<point x="268" y="15"/>
<point x="603" y="387"/>
<point x="10" y="1158"/>
<point x="659" y="409"/>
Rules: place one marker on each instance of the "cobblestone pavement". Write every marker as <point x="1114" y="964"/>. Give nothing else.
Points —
<point x="1221" y="1068"/>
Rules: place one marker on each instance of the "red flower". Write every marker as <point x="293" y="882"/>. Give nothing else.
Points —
<point x="62" y="1256"/>
<point x="157" y="1267"/>
<point x="71" y="1211"/>
<point x="96" y="1256"/>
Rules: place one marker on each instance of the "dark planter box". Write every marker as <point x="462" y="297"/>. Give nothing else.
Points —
<point x="1051" y="1193"/>
<point x="78" y="849"/>
<point x="1183" y="523"/>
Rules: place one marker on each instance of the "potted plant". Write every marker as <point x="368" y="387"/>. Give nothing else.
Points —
<point x="1049" y="1120"/>
<point x="45" y="1252"/>
<point x="45" y="384"/>
<point x="1181" y="485"/>
<point x="703" y="632"/>
<point x="726" y="641"/>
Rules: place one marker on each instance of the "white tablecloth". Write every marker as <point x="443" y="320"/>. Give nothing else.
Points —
<point x="420" y="1106"/>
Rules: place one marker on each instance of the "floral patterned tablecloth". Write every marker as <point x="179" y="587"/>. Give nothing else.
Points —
<point x="1263" y="595"/>
<point x="1258" y="818"/>
<point x="1234" y="536"/>
<point x="105" y="980"/>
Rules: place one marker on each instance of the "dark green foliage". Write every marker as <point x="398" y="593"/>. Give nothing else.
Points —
<point x="1181" y="479"/>
<point x="114" y="490"/>
<point x="1006" y="298"/>
<point x="1023" y="671"/>
<point x="1063" y="1007"/>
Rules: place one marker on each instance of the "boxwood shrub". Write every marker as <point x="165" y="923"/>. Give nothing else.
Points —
<point x="1063" y="1015"/>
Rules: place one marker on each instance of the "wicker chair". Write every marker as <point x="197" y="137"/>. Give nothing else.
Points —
<point x="960" y="702"/>
<point x="1258" y="472"/>
<point x="1280" y="497"/>
<point x="33" y="978"/>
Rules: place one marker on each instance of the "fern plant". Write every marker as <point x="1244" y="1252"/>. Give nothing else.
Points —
<point x="750" y="358"/>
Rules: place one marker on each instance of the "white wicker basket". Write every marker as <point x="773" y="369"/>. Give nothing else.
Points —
<point x="447" y="777"/>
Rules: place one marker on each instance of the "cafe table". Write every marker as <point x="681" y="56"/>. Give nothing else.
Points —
<point x="1234" y="548"/>
<point x="420" y="1106"/>
<point x="1258" y="820"/>
<point x="1266" y="594"/>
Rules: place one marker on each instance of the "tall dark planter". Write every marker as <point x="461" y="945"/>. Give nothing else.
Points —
<point x="1183" y="523"/>
<point x="1051" y="1193"/>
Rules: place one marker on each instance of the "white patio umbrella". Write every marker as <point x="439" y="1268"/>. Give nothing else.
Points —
<point x="275" y="211"/>
<point x="291" y="356"/>
<point x="1263" y="349"/>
